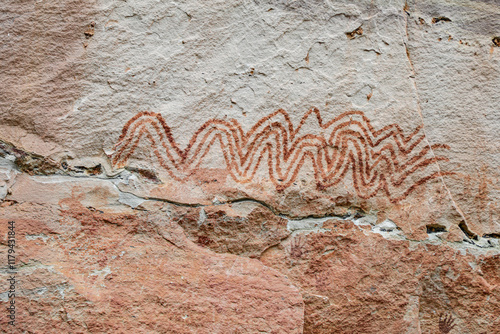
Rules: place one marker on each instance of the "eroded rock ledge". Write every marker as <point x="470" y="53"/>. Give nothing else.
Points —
<point x="100" y="259"/>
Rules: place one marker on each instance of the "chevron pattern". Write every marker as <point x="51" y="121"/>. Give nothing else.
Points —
<point x="384" y="160"/>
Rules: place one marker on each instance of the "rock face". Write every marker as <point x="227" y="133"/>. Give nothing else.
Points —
<point x="250" y="166"/>
<point x="90" y="271"/>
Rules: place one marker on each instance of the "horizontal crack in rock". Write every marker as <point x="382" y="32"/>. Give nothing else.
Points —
<point x="463" y="226"/>
<point x="27" y="162"/>
<point x="35" y="164"/>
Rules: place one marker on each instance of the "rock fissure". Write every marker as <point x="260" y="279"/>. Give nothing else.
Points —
<point x="413" y="79"/>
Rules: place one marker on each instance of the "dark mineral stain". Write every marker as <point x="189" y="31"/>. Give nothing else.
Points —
<point x="440" y="19"/>
<point x="435" y="228"/>
<point x="354" y="33"/>
<point x="90" y="30"/>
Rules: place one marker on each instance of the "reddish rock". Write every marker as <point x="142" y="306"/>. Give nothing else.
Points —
<point x="245" y="229"/>
<point x="84" y="271"/>
<point x="356" y="281"/>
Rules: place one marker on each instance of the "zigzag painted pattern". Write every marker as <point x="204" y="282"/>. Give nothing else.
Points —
<point x="382" y="160"/>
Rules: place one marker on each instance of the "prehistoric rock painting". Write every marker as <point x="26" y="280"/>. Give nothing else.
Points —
<point x="384" y="160"/>
<point x="446" y="324"/>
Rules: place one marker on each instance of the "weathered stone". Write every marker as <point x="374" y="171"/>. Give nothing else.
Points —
<point x="90" y="271"/>
<point x="244" y="228"/>
<point x="251" y="166"/>
<point x="356" y="281"/>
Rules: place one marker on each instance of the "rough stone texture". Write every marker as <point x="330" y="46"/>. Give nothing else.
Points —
<point x="88" y="271"/>
<point x="349" y="268"/>
<point x="251" y="166"/>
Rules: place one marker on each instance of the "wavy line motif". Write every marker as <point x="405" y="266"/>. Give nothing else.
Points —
<point x="380" y="160"/>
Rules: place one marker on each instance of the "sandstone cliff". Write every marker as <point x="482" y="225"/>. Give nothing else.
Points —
<point x="281" y="166"/>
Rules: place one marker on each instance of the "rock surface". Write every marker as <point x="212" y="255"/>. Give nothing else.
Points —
<point x="251" y="166"/>
<point x="86" y="271"/>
